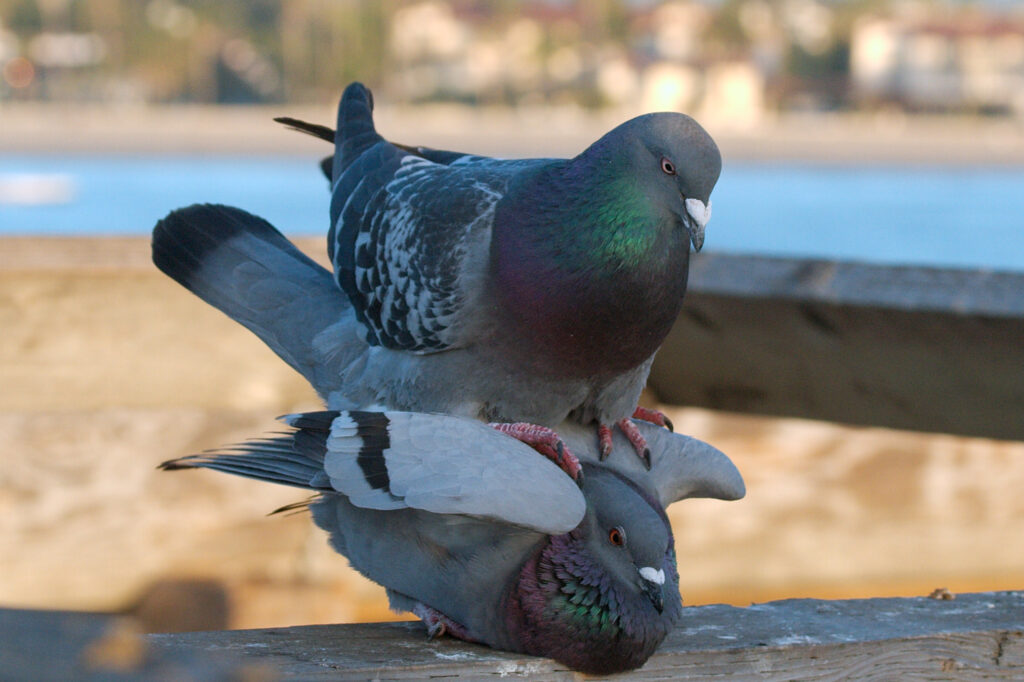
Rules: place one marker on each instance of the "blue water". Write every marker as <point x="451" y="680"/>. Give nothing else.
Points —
<point x="127" y="195"/>
<point x="960" y="217"/>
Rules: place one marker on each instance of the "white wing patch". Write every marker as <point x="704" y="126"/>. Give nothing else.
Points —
<point x="453" y="465"/>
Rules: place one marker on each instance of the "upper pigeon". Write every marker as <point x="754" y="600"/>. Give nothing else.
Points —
<point x="521" y="290"/>
<point x="489" y="542"/>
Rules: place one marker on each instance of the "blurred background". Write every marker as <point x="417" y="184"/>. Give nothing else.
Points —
<point x="752" y="55"/>
<point x="878" y="131"/>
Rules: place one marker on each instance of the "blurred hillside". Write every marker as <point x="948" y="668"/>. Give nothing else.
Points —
<point x="745" y="57"/>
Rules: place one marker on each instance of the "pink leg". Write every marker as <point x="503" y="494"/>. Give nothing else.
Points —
<point x="604" y="441"/>
<point x="546" y="442"/>
<point x="439" y="624"/>
<point x="636" y="439"/>
<point x="653" y="416"/>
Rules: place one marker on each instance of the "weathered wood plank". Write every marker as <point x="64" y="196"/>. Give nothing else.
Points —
<point x="925" y="349"/>
<point x="980" y="635"/>
<point x="972" y="636"/>
<point x="39" y="646"/>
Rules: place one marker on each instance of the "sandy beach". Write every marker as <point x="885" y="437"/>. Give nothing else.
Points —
<point x="109" y="368"/>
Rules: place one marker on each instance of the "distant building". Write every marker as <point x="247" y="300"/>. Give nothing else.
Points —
<point x="551" y="53"/>
<point x="971" y="63"/>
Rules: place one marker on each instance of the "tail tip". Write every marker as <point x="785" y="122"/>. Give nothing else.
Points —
<point x="356" y="91"/>
<point x="175" y="465"/>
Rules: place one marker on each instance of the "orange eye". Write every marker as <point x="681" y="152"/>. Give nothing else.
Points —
<point x="668" y="166"/>
<point x="617" y="536"/>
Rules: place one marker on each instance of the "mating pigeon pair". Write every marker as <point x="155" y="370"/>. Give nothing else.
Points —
<point x="467" y="528"/>
<point x="476" y="539"/>
<point x="522" y="291"/>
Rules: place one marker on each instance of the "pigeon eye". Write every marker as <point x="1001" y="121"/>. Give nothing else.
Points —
<point x="668" y="166"/>
<point x="617" y="536"/>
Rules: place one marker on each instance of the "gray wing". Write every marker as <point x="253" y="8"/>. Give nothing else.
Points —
<point x="402" y="460"/>
<point x="447" y="465"/>
<point x="681" y="466"/>
<point x="241" y="265"/>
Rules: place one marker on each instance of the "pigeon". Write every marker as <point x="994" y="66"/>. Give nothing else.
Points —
<point x="522" y="291"/>
<point x="485" y="540"/>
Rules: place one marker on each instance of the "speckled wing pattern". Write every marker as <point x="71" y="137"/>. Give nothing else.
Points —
<point x="403" y="226"/>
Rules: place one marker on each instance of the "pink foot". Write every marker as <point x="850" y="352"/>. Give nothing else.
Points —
<point x="604" y="441"/>
<point x="439" y="624"/>
<point x="546" y="442"/>
<point x="632" y="433"/>
<point x="653" y="416"/>
<point x="636" y="439"/>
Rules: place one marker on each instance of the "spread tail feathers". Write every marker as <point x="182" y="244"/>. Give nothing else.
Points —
<point x="275" y="460"/>
<point x="241" y="265"/>
<point x="295" y="458"/>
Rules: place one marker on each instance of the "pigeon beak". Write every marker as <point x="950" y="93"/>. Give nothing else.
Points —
<point x="699" y="217"/>
<point x="652" y="584"/>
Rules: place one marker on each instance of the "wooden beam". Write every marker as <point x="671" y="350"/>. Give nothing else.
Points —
<point x="969" y="636"/>
<point x="892" y="638"/>
<point x="917" y="348"/>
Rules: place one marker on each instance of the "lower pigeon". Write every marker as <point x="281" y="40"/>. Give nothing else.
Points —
<point x="489" y="542"/>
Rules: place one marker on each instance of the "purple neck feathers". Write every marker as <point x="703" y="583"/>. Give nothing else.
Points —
<point x="565" y="606"/>
<point x="596" y="282"/>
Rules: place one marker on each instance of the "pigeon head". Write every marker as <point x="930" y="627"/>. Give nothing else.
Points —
<point x="673" y="161"/>
<point x="631" y="537"/>
<point x="602" y="597"/>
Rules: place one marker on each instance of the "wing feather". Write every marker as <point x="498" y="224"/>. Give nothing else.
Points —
<point x="450" y="465"/>
<point x="405" y="234"/>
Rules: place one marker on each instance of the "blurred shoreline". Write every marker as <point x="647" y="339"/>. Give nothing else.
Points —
<point x="846" y="138"/>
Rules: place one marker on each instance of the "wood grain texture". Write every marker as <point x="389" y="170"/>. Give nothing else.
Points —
<point x="924" y="349"/>
<point x="972" y="636"/>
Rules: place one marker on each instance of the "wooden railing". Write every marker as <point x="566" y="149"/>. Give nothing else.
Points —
<point x="925" y="349"/>
<point x="968" y="636"/>
<point x="907" y="347"/>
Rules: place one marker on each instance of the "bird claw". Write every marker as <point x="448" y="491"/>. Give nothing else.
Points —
<point x="637" y="440"/>
<point x="439" y="624"/>
<point x="546" y="442"/>
<point x="604" y="440"/>
<point x="654" y="416"/>
<point x="632" y="434"/>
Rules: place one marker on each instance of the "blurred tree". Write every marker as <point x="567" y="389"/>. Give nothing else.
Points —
<point x="507" y="51"/>
<point x="22" y="16"/>
<point x="725" y="34"/>
<point x="822" y="78"/>
<point x="327" y="43"/>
